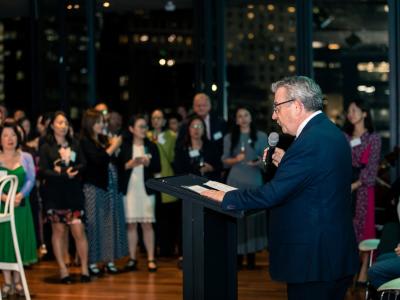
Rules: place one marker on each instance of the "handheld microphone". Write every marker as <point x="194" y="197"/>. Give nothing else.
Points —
<point x="273" y="140"/>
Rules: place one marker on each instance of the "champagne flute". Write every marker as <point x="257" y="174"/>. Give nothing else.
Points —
<point x="201" y="165"/>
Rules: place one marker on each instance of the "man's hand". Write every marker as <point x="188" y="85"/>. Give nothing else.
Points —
<point x="215" y="195"/>
<point x="277" y="156"/>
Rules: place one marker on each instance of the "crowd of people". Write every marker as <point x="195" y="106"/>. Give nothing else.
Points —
<point x="91" y="184"/>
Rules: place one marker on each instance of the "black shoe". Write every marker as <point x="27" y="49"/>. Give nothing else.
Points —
<point x="85" y="278"/>
<point x="151" y="269"/>
<point x="251" y="261"/>
<point x="66" y="280"/>
<point x="111" y="268"/>
<point x="239" y="261"/>
<point x="131" y="265"/>
<point x="94" y="270"/>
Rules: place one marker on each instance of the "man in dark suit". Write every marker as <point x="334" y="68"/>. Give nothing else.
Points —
<point x="215" y="126"/>
<point x="312" y="242"/>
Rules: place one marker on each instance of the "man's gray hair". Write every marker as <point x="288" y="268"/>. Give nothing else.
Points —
<point x="302" y="88"/>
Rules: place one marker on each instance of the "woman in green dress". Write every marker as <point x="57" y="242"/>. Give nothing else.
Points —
<point x="18" y="163"/>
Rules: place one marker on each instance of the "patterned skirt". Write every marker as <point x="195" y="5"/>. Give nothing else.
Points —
<point x="105" y="221"/>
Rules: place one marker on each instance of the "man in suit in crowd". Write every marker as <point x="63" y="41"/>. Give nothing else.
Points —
<point x="312" y="243"/>
<point x="215" y="126"/>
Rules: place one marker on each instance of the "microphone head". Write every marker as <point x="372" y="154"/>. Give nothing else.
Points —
<point x="273" y="139"/>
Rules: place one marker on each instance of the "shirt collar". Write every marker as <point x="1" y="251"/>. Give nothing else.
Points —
<point x="304" y="123"/>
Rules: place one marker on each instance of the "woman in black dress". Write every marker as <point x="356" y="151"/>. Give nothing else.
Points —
<point x="61" y="165"/>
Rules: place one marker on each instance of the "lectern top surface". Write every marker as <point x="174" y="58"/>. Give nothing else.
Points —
<point x="174" y="185"/>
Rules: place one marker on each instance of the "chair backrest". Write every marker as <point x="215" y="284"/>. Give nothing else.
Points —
<point x="12" y="181"/>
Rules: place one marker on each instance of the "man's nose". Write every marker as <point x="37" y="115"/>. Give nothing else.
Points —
<point x="274" y="116"/>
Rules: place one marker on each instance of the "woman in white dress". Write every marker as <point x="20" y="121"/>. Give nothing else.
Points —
<point x="140" y="161"/>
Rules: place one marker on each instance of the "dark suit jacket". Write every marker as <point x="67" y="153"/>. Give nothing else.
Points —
<point x="126" y="154"/>
<point x="311" y="232"/>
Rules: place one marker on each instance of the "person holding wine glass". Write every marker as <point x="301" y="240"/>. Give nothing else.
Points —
<point x="196" y="154"/>
<point x="243" y="149"/>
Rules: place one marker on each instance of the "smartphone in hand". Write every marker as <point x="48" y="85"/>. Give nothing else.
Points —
<point x="139" y="159"/>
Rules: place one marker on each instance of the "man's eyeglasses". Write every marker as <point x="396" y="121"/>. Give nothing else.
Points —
<point x="275" y="105"/>
<point x="143" y="127"/>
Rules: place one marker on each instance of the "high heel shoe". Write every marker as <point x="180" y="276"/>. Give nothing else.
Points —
<point x="85" y="278"/>
<point x="94" y="270"/>
<point x="151" y="269"/>
<point x="131" y="265"/>
<point x="7" y="290"/>
<point x="111" y="268"/>
<point x="64" y="276"/>
<point x="66" y="280"/>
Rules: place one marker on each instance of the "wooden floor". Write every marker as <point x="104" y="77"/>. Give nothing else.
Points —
<point x="165" y="284"/>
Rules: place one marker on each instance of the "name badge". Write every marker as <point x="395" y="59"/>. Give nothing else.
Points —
<point x="355" y="142"/>
<point x="217" y="136"/>
<point x="194" y="153"/>
<point x="73" y="156"/>
<point x="3" y="173"/>
<point x="161" y="139"/>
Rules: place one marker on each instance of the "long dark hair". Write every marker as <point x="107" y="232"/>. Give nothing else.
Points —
<point x="91" y="117"/>
<point x="368" y="122"/>
<point x="235" y="132"/>
<point x="187" y="140"/>
<point x="50" y="132"/>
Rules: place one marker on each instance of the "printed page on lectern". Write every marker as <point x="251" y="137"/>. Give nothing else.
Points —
<point x="215" y="185"/>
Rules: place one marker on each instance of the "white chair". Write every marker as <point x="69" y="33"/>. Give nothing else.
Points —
<point x="391" y="287"/>
<point x="369" y="246"/>
<point x="8" y="216"/>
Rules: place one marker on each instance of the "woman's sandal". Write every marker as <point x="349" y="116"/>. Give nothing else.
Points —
<point x="151" y="265"/>
<point x="131" y="265"/>
<point x="7" y="290"/>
